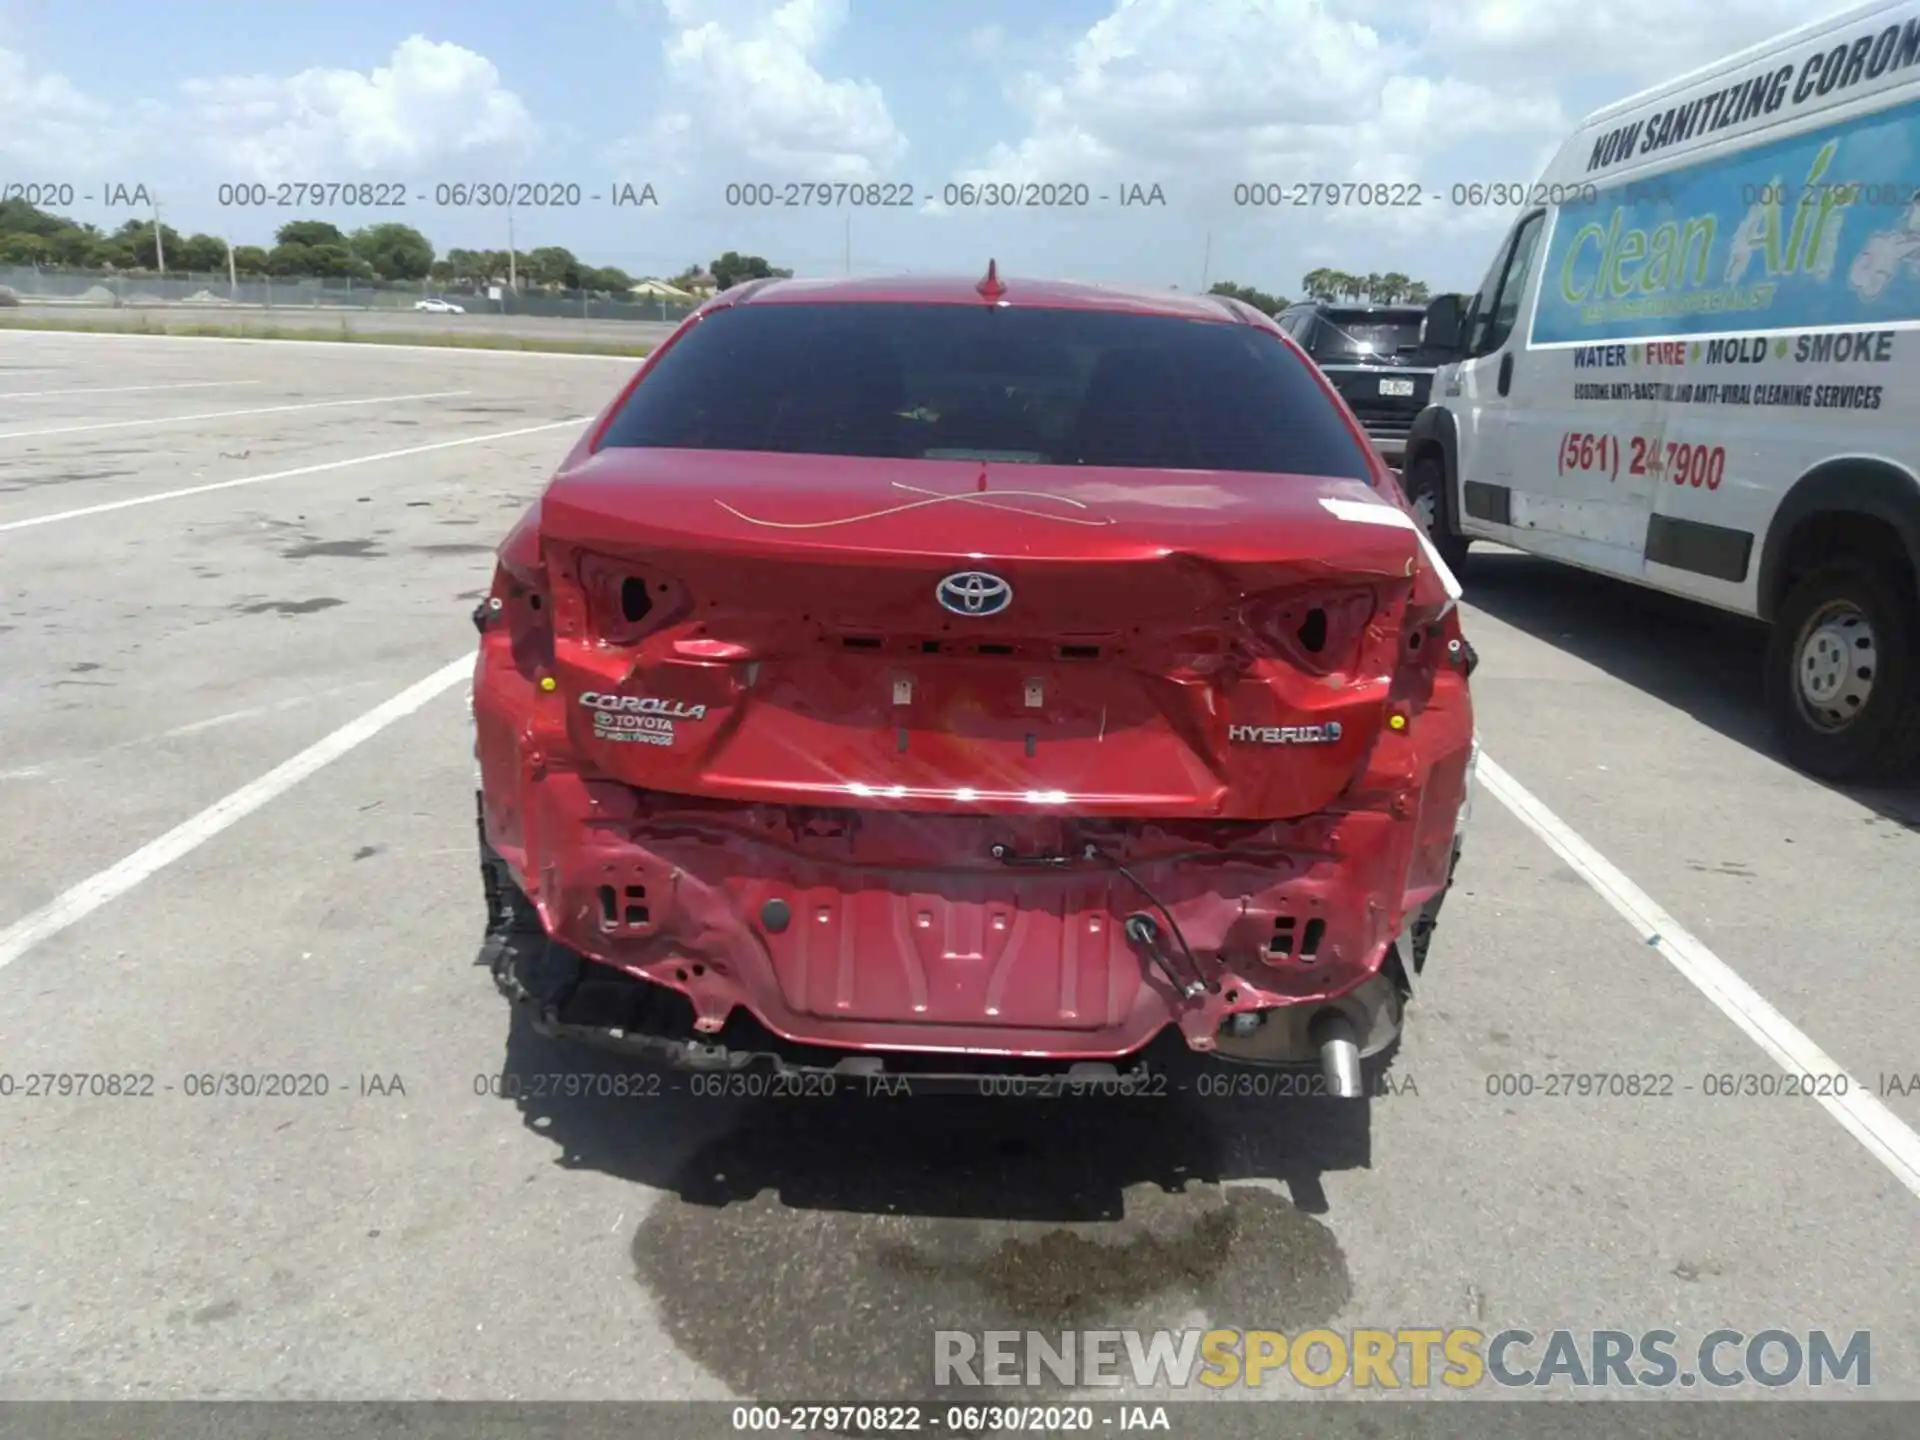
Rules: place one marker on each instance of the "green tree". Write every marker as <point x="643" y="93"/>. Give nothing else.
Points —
<point x="1259" y="299"/>
<point x="1416" y="293"/>
<point x="251" y="261"/>
<point x="463" y="264"/>
<point x="17" y="217"/>
<point x="199" y="253"/>
<point x="75" y="246"/>
<point x="289" y="259"/>
<point x="607" y="279"/>
<point x="393" y="251"/>
<point x="19" y="248"/>
<point x="136" y="239"/>
<point x="556" y="265"/>
<point x="308" y="233"/>
<point x="733" y="268"/>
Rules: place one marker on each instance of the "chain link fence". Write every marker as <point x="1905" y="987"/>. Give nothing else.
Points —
<point x="215" y="292"/>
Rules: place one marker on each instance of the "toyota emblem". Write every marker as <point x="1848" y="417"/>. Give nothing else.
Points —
<point x="974" y="592"/>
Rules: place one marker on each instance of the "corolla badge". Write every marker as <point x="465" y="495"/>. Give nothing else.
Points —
<point x="974" y="592"/>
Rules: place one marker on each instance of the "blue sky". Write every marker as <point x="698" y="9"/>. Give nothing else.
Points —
<point x="689" y="95"/>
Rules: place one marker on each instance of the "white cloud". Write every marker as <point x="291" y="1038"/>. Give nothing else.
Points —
<point x="986" y="42"/>
<point x="50" y="128"/>
<point x="1281" y="89"/>
<point x="430" y="104"/>
<point x="745" y="87"/>
<point x="1202" y="96"/>
<point x="1633" y="43"/>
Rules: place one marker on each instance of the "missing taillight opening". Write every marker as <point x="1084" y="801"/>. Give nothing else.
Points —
<point x="624" y="598"/>
<point x="1320" y="632"/>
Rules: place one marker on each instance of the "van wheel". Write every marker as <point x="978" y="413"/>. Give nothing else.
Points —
<point x="1843" y="675"/>
<point x="1426" y="487"/>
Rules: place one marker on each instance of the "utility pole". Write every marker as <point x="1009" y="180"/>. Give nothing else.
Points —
<point x="159" y="249"/>
<point x="233" y="275"/>
<point x="1206" y="264"/>
<point x="513" y="274"/>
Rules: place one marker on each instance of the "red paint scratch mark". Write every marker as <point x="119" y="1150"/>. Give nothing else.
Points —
<point x="994" y="500"/>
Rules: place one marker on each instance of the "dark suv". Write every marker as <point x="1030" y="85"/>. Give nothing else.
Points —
<point x="1372" y="354"/>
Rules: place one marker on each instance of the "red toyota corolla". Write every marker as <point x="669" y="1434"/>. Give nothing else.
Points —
<point x="945" y="679"/>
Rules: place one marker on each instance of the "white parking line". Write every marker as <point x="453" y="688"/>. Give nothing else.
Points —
<point x="125" y="389"/>
<point x="1883" y="1133"/>
<point x="298" y="470"/>
<point x="194" y="727"/>
<point x="110" y="884"/>
<point x="93" y="426"/>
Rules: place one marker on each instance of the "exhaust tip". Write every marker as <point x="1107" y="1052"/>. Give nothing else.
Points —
<point x="1339" y="1048"/>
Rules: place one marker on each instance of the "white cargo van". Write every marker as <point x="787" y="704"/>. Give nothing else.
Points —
<point x="1695" y="364"/>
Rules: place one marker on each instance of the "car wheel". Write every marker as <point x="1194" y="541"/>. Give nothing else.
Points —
<point x="1425" y="482"/>
<point x="1843" y="675"/>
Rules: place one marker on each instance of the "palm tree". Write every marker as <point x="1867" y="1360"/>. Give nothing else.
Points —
<point x="1416" y="293"/>
<point x="1393" y="287"/>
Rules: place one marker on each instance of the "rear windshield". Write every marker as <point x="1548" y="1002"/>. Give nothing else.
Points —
<point x="1357" y="338"/>
<point x="1044" y="387"/>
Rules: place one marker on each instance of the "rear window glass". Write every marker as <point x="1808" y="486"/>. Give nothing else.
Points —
<point x="1356" y="339"/>
<point x="1045" y="387"/>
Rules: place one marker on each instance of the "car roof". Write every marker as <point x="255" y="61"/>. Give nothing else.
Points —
<point x="963" y="290"/>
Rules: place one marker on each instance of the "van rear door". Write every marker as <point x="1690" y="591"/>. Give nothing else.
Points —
<point x="1484" y="406"/>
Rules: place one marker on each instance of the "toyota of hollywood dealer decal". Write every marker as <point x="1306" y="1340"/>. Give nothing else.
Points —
<point x="638" y="719"/>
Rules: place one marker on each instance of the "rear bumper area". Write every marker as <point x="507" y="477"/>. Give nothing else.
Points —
<point x="1392" y="446"/>
<point x="754" y="929"/>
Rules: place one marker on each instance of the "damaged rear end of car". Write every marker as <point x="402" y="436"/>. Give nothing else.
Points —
<point x="932" y="717"/>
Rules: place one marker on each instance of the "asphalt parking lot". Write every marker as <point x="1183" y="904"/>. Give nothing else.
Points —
<point x="479" y="321"/>
<point x="218" y="555"/>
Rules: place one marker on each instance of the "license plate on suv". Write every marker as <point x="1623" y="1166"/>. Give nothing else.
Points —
<point x="1396" y="387"/>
